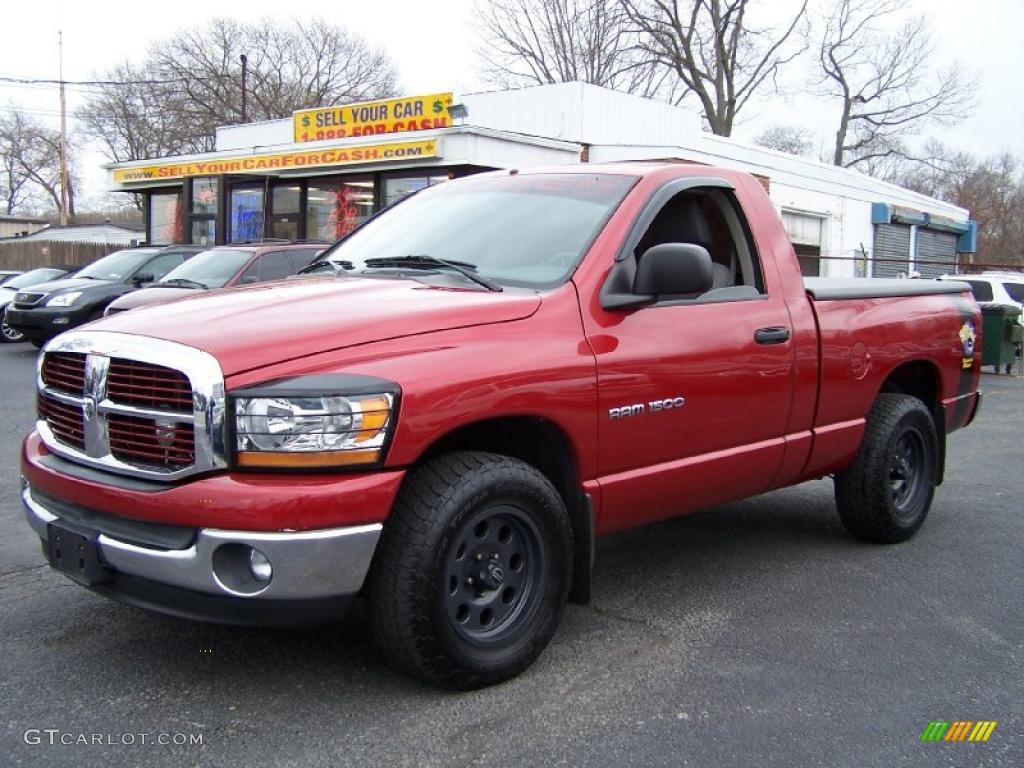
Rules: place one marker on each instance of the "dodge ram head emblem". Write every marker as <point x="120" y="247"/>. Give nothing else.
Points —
<point x="164" y="432"/>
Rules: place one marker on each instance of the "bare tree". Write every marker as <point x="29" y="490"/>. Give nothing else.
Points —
<point x="534" y="42"/>
<point x="192" y="82"/>
<point x="787" y="138"/>
<point x="992" y="190"/>
<point x="30" y="158"/>
<point x="139" y="115"/>
<point x="714" y="50"/>
<point x="885" y="82"/>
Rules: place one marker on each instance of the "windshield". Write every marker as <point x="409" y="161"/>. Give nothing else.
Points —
<point x="211" y="268"/>
<point x="527" y="230"/>
<point x="35" y="277"/>
<point x="117" y="265"/>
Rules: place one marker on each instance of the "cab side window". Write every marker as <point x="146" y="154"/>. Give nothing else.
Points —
<point x="162" y="264"/>
<point x="712" y="219"/>
<point x="270" y="266"/>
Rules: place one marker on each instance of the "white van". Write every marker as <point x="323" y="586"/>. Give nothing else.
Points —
<point x="995" y="287"/>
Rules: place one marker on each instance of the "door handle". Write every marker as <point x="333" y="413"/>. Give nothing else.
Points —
<point x="777" y="335"/>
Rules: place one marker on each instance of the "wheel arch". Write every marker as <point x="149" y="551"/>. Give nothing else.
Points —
<point x="922" y="379"/>
<point x="546" y="446"/>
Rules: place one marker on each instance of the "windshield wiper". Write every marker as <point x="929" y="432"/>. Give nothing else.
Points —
<point x="423" y="261"/>
<point x="334" y="265"/>
<point x="180" y="281"/>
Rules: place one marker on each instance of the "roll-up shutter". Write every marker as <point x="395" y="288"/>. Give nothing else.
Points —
<point x="935" y="254"/>
<point x="892" y="250"/>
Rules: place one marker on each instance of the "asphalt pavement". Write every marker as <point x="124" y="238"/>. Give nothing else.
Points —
<point x="754" y="634"/>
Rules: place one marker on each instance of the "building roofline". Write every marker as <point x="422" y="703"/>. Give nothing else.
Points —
<point x="352" y="141"/>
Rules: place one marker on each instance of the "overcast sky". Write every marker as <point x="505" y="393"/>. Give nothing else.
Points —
<point x="433" y="44"/>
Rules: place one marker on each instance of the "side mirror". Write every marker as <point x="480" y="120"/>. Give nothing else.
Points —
<point x="249" y="280"/>
<point x="672" y="269"/>
<point x="143" y="277"/>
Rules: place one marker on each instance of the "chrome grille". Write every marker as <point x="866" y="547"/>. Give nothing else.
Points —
<point x="148" y="386"/>
<point x="64" y="420"/>
<point x="25" y="299"/>
<point x="64" y="372"/>
<point x="158" y="443"/>
<point x="112" y="401"/>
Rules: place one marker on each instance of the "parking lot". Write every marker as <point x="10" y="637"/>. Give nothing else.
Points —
<point x="753" y="634"/>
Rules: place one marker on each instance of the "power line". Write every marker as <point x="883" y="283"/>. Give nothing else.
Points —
<point x="93" y="83"/>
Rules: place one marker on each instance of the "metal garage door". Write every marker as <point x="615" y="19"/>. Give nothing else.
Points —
<point x="892" y="250"/>
<point x="935" y="254"/>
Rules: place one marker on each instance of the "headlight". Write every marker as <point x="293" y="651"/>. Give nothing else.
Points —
<point x="64" y="299"/>
<point x="312" y="431"/>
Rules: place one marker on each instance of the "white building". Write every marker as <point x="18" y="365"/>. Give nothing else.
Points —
<point x="320" y="173"/>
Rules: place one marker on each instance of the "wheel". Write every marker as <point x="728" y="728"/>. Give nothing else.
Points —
<point x="9" y="335"/>
<point x="885" y="494"/>
<point x="472" y="571"/>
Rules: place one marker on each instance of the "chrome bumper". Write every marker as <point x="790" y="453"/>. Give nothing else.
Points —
<point x="306" y="564"/>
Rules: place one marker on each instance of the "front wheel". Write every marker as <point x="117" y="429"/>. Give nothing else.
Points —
<point x="472" y="571"/>
<point x="9" y="335"/>
<point x="884" y="496"/>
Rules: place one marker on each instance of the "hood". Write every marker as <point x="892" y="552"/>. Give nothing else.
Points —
<point x="67" y="284"/>
<point x="256" y="326"/>
<point x="147" y="296"/>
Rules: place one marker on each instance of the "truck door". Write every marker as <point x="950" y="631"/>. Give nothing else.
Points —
<point x="694" y="392"/>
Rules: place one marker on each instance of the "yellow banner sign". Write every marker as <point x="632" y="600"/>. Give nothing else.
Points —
<point x="369" y="118"/>
<point x="282" y="161"/>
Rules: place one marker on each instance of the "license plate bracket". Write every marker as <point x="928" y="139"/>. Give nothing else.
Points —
<point x="75" y="554"/>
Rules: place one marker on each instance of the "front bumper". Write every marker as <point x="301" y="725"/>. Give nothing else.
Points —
<point x="43" y="323"/>
<point x="315" y="574"/>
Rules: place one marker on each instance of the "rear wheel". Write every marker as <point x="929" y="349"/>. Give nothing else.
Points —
<point x="472" y="572"/>
<point x="8" y="335"/>
<point x="885" y="495"/>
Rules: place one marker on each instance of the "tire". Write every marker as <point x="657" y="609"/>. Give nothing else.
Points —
<point x="472" y="571"/>
<point x="38" y="344"/>
<point x="884" y="496"/>
<point x="8" y="335"/>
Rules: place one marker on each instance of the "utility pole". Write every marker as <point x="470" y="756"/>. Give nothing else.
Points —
<point x="245" y="89"/>
<point x="63" y="135"/>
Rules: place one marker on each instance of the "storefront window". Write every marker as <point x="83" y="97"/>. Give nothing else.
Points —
<point x="246" y="214"/>
<point x="396" y="189"/>
<point x="204" y="232"/>
<point x="165" y="219"/>
<point x="334" y="208"/>
<point x="204" y="196"/>
<point x="284" y="212"/>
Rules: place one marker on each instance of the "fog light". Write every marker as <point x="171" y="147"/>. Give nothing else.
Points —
<point x="260" y="566"/>
<point x="61" y="321"/>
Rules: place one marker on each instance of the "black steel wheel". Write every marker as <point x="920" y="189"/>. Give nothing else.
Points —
<point x="494" y="566"/>
<point x="10" y="335"/>
<point x="472" y="571"/>
<point x="885" y="495"/>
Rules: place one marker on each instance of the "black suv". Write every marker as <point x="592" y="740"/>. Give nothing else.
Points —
<point x="48" y="309"/>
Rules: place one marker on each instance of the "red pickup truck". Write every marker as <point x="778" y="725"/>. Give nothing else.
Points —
<point x="509" y="366"/>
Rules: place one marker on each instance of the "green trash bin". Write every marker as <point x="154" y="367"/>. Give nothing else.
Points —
<point x="1001" y="332"/>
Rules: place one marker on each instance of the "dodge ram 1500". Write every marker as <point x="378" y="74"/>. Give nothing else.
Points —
<point x="507" y="367"/>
